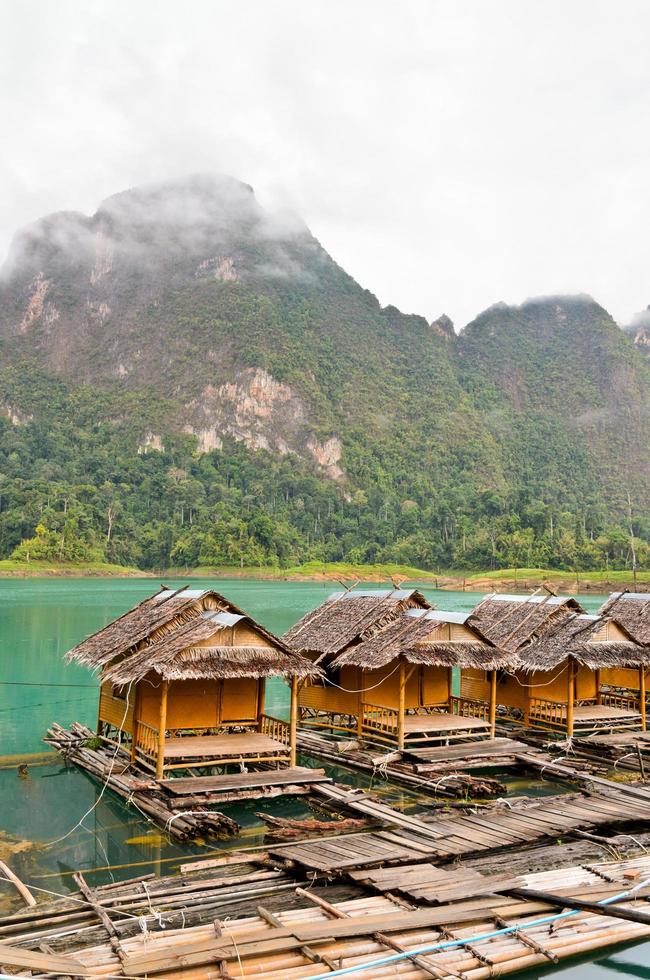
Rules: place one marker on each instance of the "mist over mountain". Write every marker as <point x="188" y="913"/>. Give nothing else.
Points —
<point x="186" y="378"/>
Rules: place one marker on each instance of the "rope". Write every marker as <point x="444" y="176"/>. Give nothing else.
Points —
<point x="79" y="823"/>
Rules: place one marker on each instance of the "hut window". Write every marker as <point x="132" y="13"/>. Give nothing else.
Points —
<point x="119" y="692"/>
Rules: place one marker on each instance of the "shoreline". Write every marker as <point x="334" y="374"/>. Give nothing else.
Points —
<point x="502" y="580"/>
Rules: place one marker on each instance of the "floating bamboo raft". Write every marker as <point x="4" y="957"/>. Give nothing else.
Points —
<point x="312" y="933"/>
<point x="182" y="807"/>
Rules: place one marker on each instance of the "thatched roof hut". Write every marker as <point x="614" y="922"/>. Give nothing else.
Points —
<point x="512" y="621"/>
<point x="199" y="649"/>
<point x="632" y="611"/>
<point x="577" y="636"/>
<point x="413" y="636"/>
<point x="147" y="621"/>
<point x="346" y="618"/>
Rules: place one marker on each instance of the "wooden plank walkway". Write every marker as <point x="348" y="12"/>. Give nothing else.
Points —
<point x="435" y="886"/>
<point x="455" y="836"/>
<point x="296" y="776"/>
<point x="448" y="753"/>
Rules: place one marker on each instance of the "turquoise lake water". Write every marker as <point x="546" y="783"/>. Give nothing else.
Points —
<point x="40" y="619"/>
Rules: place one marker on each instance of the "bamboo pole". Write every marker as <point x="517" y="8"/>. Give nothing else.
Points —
<point x="261" y="698"/>
<point x="401" y="707"/>
<point x="642" y="704"/>
<point x="493" y="702"/>
<point x="162" y="724"/>
<point x="293" y="722"/>
<point x="23" y="890"/>
<point x="571" y="694"/>
<point x="599" y="693"/>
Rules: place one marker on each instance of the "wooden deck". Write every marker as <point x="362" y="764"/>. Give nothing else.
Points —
<point x="489" y="748"/>
<point x="442" y="721"/>
<point x="446" y="839"/>
<point x="591" y="717"/>
<point x="226" y="748"/>
<point x="296" y="776"/>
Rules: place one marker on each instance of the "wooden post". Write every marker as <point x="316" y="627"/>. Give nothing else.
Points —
<point x="293" y="721"/>
<point x="261" y="697"/>
<point x="642" y="706"/>
<point x="162" y="724"/>
<point x="450" y="689"/>
<point x="599" y="693"/>
<point x="136" y="715"/>
<point x="493" y="702"/>
<point x="571" y="694"/>
<point x="401" y="706"/>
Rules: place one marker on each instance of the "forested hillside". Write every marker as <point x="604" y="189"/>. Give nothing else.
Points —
<point x="186" y="379"/>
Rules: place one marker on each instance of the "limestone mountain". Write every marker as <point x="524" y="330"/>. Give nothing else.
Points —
<point x="188" y="378"/>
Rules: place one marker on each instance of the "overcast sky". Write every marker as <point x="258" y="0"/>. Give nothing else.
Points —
<point x="447" y="154"/>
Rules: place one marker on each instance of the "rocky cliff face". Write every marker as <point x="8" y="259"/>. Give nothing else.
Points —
<point x="104" y="298"/>
<point x="194" y="312"/>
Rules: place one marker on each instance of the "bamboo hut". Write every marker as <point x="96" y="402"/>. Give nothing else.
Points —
<point x="183" y="684"/>
<point x="344" y="620"/>
<point x="557" y="681"/>
<point x="405" y="680"/>
<point x="632" y="611"/>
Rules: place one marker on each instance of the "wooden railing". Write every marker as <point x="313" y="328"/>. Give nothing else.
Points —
<point x="379" y="718"/>
<point x="469" y="708"/>
<point x="429" y="709"/>
<point x="629" y="702"/>
<point x="548" y="712"/>
<point x="275" y="728"/>
<point x="146" y="740"/>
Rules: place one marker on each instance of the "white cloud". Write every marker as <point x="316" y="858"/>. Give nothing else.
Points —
<point x="448" y="154"/>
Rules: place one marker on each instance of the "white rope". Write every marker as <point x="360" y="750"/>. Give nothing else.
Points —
<point x="108" y="776"/>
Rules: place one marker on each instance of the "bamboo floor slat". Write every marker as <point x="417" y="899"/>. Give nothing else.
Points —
<point x="321" y="935"/>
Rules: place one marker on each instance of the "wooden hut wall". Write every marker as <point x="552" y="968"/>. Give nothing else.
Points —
<point x="324" y="697"/>
<point x="475" y="684"/>
<point x="113" y="706"/>
<point x="625" y="677"/>
<point x="552" y="685"/>
<point x="149" y="694"/>
<point x="240" y="699"/>
<point x="434" y="686"/>
<point x="193" y="704"/>
<point x="382" y="687"/>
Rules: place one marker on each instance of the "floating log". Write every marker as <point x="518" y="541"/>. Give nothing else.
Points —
<point x="283" y="828"/>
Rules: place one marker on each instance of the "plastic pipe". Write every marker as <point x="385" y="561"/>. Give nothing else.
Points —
<point x="450" y="943"/>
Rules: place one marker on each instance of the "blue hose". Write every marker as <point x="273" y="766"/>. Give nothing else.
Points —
<point x="450" y="943"/>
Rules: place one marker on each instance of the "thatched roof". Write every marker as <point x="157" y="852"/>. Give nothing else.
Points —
<point x="572" y="635"/>
<point x="199" y="649"/>
<point x="348" y="617"/>
<point x="512" y="621"/>
<point x="632" y="611"/>
<point x="161" y="611"/>
<point x="412" y="636"/>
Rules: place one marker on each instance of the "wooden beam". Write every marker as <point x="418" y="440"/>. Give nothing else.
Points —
<point x="493" y="702"/>
<point x="564" y="902"/>
<point x="642" y="705"/>
<point x="599" y="693"/>
<point x="162" y="724"/>
<point x="293" y="722"/>
<point x="401" y="706"/>
<point x="571" y="696"/>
